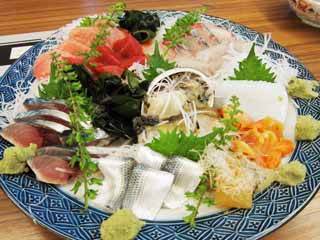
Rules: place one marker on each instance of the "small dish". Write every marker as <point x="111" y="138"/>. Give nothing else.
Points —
<point x="307" y="10"/>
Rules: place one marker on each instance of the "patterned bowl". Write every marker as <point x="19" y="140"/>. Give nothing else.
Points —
<point x="307" y="10"/>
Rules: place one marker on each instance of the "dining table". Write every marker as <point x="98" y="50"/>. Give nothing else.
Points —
<point x="272" y="16"/>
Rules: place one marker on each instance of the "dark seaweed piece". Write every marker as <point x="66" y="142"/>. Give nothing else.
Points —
<point x="143" y="26"/>
<point x="117" y="102"/>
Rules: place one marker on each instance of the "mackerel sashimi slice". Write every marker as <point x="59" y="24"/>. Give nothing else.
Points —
<point x="52" y="169"/>
<point x="23" y="134"/>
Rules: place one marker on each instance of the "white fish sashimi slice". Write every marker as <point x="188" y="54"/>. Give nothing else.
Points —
<point x="146" y="191"/>
<point x="258" y="99"/>
<point x="149" y="158"/>
<point x="116" y="171"/>
<point x="187" y="177"/>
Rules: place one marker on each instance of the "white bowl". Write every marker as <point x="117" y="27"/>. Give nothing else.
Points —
<point x="307" y="10"/>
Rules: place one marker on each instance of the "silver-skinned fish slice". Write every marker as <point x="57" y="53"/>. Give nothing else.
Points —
<point x="56" y="151"/>
<point x="53" y="126"/>
<point x="44" y="114"/>
<point x="147" y="189"/>
<point x="23" y="134"/>
<point x="39" y="103"/>
<point x="186" y="179"/>
<point x="53" y="169"/>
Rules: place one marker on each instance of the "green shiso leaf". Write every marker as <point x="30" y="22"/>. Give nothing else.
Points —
<point x="253" y="69"/>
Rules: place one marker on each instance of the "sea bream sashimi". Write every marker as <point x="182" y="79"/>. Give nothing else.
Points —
<point x="23" y="134"/>
<point x="53" y="169"/>
<point x="203" y="49"/>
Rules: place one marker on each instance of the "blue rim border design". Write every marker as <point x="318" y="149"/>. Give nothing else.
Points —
<point x="59" y="212"/>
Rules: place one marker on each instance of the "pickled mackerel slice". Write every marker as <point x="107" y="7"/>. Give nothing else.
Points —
<point x="44" y="114"/>
<point x="146" y="191"/>
<point x="39" y="103"/>
<point x="56" y="151"/>
<point x="53" y="169"/>
<point x="22" y="134"/>
<point x="186" y="179"/>
<point x="53" y="126"/>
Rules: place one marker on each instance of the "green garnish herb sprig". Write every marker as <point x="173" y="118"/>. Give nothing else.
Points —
<point x="223" y="135"/>
<point x="177" y="143"/>
<point x="199" y="195"/>
<point x="111" y="18"/>
<point x="64" y="84"/>
<point x="176" y="34"/>
<point x="157" y="63"/>
<point x="252" y="69"/>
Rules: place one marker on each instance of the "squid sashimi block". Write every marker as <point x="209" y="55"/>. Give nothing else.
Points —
<point x="257" y="98"/>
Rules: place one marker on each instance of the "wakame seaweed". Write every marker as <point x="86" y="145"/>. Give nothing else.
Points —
<point x="117" y="103"/>
<point x="142" y="25"/>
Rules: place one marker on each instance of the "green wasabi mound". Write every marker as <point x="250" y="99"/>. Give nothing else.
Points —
<point x="290" y="174"/>
<point x="122" y="225"/>
<point x="307" y="128"/>
<point x="302" y="88"/>
<point x="15" y="159"/>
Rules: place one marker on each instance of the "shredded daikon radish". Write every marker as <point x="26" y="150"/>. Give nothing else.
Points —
<point x="10" y="109"/>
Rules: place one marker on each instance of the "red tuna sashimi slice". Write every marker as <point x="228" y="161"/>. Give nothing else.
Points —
<point x="112" y="69"/>
<point x="22" y="134"/>
<point x="128" y="47"/>
<point x="108" y="57"/>
<point x="52" y="169"/>
<point x="84" y="35"/>
<point x="115" y="35"/>
<point x="41" y="67"/>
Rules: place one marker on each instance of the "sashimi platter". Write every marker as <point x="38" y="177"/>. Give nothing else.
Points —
<point x="159" y="125"/>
